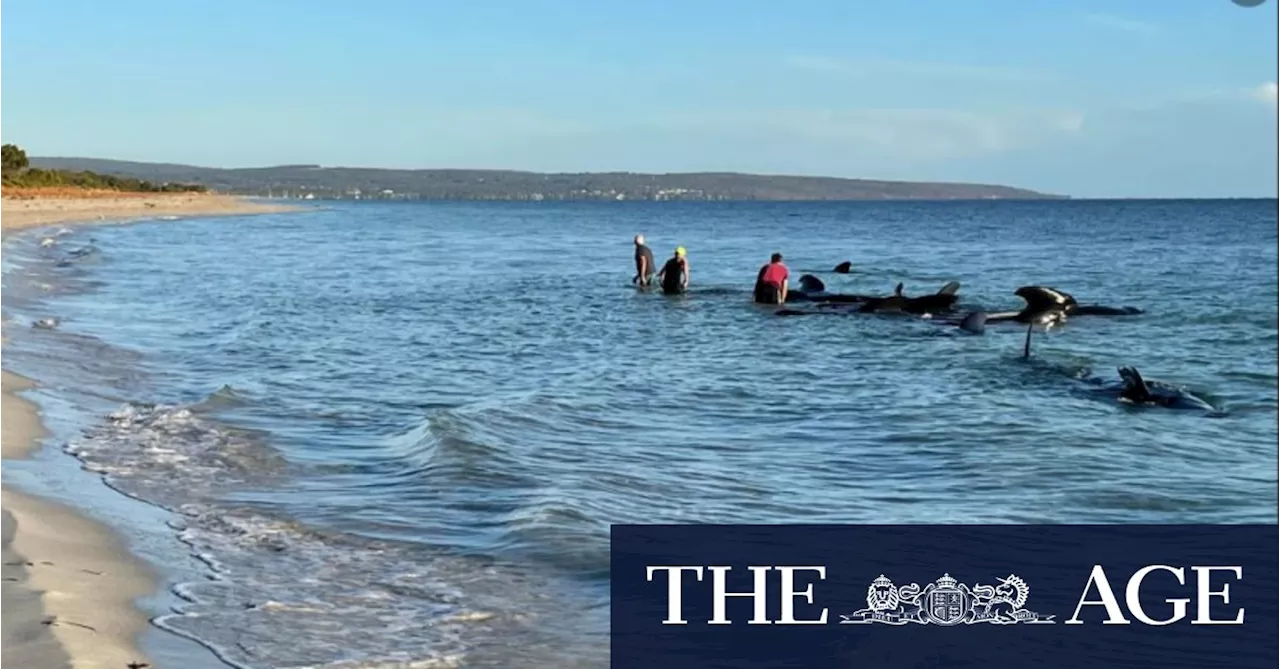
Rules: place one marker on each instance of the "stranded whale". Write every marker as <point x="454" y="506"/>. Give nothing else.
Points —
<point x="942" y="301"/>
<point x="1138" y="390"/>
<point x="1041" y="299"/>
<point x="812" y="289"/>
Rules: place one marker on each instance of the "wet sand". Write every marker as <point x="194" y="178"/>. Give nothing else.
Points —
<point x="70" y="583"/>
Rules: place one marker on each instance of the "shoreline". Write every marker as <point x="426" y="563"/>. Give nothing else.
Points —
<point x="23" y="211"/>
<point x="71" y="585"/>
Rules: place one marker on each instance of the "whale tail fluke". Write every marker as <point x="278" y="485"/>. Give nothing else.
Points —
<point x="975" y="322"/>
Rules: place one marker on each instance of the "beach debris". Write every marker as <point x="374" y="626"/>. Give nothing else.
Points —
<point x="50" y="621"/>
<point x="137" y="665"/>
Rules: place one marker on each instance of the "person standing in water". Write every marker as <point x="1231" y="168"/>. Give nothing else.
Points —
<point x="675" y="274"/>
<point x="771" y="282"/>
<point x="644" y="264"/>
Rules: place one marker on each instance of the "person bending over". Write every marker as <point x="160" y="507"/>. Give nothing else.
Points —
<point x="675" y="274"/>
<point x="771" y="282"/>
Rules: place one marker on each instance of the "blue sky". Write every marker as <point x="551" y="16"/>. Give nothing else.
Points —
<point x="1139" y="98"/>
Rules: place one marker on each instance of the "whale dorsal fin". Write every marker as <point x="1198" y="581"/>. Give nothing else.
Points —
<point x="898" y="290"/>
<point x="1134" y="384"/>
<point x="812" y="284"/>
<point x="951" y="288"/>
<point x="975" y="322"/>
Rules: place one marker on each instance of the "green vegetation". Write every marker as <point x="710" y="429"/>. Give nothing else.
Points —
<point x="18" y="173"/>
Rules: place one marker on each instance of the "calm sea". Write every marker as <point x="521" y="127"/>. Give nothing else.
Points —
<point x="400" y="432"/>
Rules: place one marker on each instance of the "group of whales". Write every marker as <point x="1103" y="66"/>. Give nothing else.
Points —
<point x="1045" y="306"/>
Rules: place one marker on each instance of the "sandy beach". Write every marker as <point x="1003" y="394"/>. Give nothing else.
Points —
<point x="69" y="582"/>
<point x="26" y="208"/>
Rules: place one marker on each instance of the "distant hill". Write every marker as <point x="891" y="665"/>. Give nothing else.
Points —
<point x="450" y="184"/>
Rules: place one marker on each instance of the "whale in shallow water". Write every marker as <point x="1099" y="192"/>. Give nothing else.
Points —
<point x="975" y="322"/>
<point x="1045" y="306"/>
<point x="1134" y="390"/>
<point x="1042" y="299"/>
<point x="843" y="268"/>
<point x="1138" y="390"/>
<point x="812" y="289"/>
<point x="940" y="302"/>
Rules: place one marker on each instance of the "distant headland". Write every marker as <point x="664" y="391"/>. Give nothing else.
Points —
<point x="317" y="182"/>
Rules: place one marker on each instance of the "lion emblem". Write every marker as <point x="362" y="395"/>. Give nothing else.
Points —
<point x="882" y="596"/>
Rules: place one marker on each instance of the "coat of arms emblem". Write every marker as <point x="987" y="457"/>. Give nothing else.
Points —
<point x="947" y="602"/>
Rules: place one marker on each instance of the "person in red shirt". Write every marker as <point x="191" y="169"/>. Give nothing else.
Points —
<point x="771" y="282"/>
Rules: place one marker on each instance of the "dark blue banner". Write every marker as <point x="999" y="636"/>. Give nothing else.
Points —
<point x="894" y="597"/>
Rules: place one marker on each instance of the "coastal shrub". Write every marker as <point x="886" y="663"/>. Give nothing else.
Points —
<point x="14" y="159"/>
<point x="19" y="174"/>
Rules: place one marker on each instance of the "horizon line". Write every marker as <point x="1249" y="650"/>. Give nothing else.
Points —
<point x="1049" y="194"/>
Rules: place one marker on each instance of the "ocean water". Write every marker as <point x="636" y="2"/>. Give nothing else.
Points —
<point x="396" y="434"/>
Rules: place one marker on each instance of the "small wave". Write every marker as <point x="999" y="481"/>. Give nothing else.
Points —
<point x="155" y="445"/>
<point x="275" y="578"/>
<point x="224" y="397"/>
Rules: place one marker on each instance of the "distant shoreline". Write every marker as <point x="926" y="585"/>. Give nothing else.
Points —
<point x="320" y="182"/>
<point x="495" y="185"/>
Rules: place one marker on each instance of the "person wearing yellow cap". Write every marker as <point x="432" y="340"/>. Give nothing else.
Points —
<point x="675" y="274"/>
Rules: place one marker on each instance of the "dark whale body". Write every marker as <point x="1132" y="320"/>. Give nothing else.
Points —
<point x="1141" y="391"/>
<point x="1045" y="306"/>
<point x="1042" y="299"/>
<point x="1133" y="389"/>
<point x="942" y="301"/>
<point x="812" y="289"/>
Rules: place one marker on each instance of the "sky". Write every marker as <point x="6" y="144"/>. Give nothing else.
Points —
<point x="1088" y="98"/>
